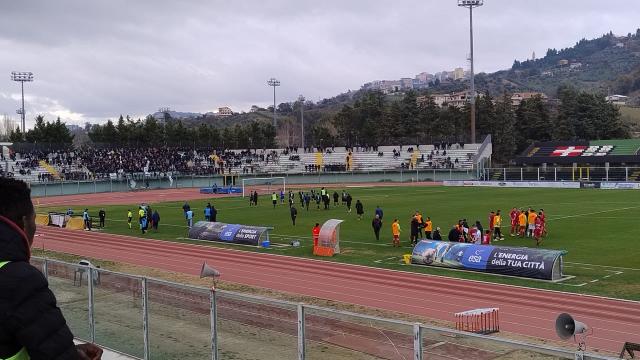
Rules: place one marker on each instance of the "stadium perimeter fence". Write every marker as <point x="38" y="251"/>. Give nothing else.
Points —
<point x="148" y="318"/>
<point x="59" y="187"/>
<point x="595" y="174"/>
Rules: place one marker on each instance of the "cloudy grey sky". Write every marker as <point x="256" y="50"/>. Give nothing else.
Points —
<point x="96" y="59"/>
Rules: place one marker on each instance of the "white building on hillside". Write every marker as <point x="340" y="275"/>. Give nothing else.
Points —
<point x="617" y="99"/>
<point x="225" y="111"/>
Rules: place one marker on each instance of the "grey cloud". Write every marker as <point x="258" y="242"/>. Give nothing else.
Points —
<point x="106" y="57"/>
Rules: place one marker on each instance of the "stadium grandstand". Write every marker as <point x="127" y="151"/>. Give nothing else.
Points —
<point x="598" y="152"/>
<point x="94" y="163"/>
<point x="599" y="160"/>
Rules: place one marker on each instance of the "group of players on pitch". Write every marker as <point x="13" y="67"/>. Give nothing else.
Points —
<point x="524" y="223"/>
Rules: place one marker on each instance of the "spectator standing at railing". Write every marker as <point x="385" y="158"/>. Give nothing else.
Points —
<point x="32" y="325"/>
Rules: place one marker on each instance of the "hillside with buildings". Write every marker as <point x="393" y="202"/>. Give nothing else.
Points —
<point x="608" y="65"/>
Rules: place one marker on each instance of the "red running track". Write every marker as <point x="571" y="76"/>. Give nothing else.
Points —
<point x="184" y="194"/>
<point x="523" y="311"/>
<point x="124" y="198"/>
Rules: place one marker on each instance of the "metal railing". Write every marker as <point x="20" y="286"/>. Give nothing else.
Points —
<point x="149" y="318"/>
<point x="579" y="173"/>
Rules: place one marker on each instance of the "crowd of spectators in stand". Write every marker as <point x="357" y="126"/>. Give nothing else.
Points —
<point x="335" y="167"/>
<point x="312" y="168"/>
<point x="325" y="167"/>
<point x="91" y="163"/>
<point x="448" y="145"/>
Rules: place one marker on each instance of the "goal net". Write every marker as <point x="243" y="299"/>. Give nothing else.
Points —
<point x="263" y="185"/>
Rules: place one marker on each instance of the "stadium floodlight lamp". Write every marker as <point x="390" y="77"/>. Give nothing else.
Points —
<point x="467" y="3"/>
<point x="22" y="77"/>
<point x="274" y="83"/>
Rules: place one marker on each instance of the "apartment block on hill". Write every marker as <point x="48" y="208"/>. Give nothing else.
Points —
<point x="518" y="98"/>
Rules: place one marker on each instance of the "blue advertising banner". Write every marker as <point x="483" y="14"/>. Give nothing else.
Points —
<point x="514" y="261"/>
<point x="230" y="233"/>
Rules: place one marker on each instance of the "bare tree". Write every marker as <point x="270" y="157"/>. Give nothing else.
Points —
<point x="7" y="125"/>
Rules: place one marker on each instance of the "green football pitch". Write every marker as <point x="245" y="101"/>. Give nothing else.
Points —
<point x="599" y="229"/>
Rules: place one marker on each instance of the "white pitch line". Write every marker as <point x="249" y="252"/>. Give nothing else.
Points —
<point x="594" y="213"/>
<point x="603" y="266"/>
<point x="385" y="259"/>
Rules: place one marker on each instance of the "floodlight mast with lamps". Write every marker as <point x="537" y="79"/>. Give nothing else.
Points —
<point x="471" y="4"/>
<point x="22" y="77"/>
<point x="274" y="82"/>
<point x="301" y="99"/>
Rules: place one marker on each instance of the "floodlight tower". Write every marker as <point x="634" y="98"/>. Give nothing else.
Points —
<point x="472" y="4"/>
<point x="274" y="82"/>
<point x="301" y="100"/>
<point x="22" y="77"/>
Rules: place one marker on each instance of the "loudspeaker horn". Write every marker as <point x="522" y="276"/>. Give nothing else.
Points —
<point x="208" y="271"/>
<point x="567" y="326"/>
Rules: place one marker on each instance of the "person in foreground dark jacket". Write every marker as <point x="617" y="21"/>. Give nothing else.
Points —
<point x="31" y="324"/>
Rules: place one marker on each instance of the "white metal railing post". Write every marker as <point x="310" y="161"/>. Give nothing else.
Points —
<point x="92" y="318"/>
<point x="417" y="341"/>
<point x="301" y="335"/>
<point x="626" y="174"/>
<point x="213" y="318"/>
<point x="521" y="175"/>
<point x="538" y="174"/>
<point x="45" y="269"/>
<point x="145" y="318"/>
<point x="555" y="174"/>
<point x="504" y="173"/>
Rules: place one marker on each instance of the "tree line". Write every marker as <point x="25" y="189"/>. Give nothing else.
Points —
<point x="149" y="132"/>
<point x="574" y="115"/>
<point x="375" y="119"/>
<point x="44" y="132"/>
